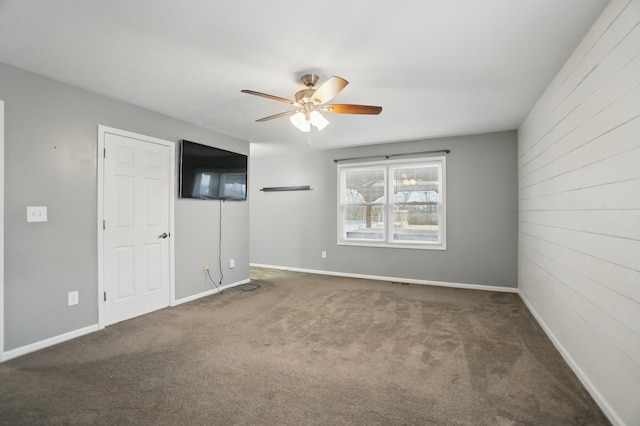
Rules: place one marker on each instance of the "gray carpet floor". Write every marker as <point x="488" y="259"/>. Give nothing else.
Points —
<point x="307" y="349"/>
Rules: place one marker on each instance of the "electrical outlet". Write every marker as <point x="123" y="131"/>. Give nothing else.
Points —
<point x="72" y="298"/>
<point x="232" y="263"/>
<point x="36" y="213"/>
<point x="324" y="254"/>
<point x="206" y="269"/>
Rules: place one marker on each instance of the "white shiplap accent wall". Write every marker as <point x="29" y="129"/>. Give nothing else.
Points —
<point x="579" y="211"/>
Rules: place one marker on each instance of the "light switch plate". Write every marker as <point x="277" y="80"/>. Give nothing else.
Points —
<point x="36" y="213"/>
<point x="73" y="298"/>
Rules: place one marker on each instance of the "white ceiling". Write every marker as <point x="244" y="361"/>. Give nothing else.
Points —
<point x="437" y="67"/>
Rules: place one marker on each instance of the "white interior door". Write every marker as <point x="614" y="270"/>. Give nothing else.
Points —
<point x="136" y="249"/>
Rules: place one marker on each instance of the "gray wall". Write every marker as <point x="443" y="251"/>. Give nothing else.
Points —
<point x="291" y="229"/>
<point x="51" y="159"/>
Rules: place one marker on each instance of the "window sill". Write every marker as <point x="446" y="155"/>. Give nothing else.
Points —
<point x="381" y="244"/>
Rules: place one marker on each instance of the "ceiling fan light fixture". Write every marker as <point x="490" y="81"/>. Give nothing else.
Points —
<point x="300" y="122"/>
<point x="310" y="101"/>
<point x="318" y="120"/>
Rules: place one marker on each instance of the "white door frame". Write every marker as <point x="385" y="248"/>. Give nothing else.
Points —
<point x="102" y="131"/>
<point x="1" y="231"/>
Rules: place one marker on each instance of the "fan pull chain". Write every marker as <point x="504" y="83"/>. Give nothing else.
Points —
<point x="309" y="139"/>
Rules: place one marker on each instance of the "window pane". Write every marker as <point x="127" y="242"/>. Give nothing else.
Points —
<point x="364" y="186"/>
<point x="416" y="183"/>
<point x="364" y="222"/>
<point x="416" y="197"/>
<point x="416" y="222"/>
<point x="393" y="203"/>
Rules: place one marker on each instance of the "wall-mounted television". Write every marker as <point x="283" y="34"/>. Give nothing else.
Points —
<point x="209" y="173"/>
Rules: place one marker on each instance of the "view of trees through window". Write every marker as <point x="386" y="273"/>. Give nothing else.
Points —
<point x="392" y="202"/>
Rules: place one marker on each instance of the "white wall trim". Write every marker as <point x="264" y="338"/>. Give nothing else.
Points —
<point x="100" y="218"/>
<point x="209" y="292"/>
<point x="593" y="391"/>
<point x="32" y="347"/>
<point x="42" y="344"/>
<point x="102" y="130"/>
<point x="2" y="354"/>
<point x="394" y="279"/>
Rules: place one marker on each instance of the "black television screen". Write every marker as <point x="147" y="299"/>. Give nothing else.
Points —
<point x="209" y="173"/>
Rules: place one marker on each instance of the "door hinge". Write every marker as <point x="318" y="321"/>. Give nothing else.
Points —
<point x="105" y="296"/>
<point x="104" y="225"/>
<point x="104" y="153"/>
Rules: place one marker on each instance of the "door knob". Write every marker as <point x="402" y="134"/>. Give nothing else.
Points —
<point x="163" y="235"/>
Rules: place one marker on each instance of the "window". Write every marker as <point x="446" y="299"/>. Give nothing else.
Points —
<point x="393" y="203"/>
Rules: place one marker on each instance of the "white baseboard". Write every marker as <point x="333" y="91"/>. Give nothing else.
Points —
<point x="5" y="356"/>
<point x="208" y="292"/>
<point x="591" y="388"/>
<point x="394" y="279"/>
<point x="23" y="350"/>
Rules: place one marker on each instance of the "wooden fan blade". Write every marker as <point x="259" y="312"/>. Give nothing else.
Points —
<point x="282" y="114"/>
<point x="329" y="89"/>
<point x="352" y="109"/>
<point x="264" y="95"/>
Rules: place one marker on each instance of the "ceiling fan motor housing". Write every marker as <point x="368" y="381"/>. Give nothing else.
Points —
<point x="309" y="80"/>
<point x="304" y="96"/>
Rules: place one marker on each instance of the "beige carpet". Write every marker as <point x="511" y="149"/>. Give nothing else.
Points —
<point x="305" y="349"/>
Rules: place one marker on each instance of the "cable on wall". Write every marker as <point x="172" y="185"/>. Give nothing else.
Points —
<point x="219" y="254"/>
<point x="246" y="287"/>
<point x="408" y="154"/>
<point x="214" y="283"/>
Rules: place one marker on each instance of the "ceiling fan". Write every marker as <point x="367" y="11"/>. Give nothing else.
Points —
<point x="311" y="101"/>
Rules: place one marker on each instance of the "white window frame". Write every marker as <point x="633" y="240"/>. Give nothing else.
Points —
<point x="388" y="204"/>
